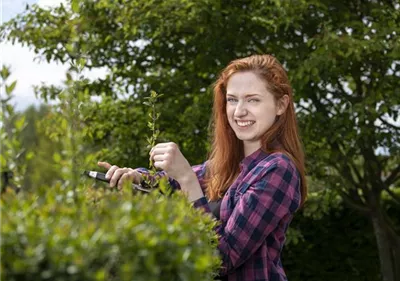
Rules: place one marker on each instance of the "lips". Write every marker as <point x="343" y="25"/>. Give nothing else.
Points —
<point x="244" y="123"/>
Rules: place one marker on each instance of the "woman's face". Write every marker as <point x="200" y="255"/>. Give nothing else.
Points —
<point x="250" y="107"/>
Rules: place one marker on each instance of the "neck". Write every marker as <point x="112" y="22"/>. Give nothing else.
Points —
<point x="250" y="148"/>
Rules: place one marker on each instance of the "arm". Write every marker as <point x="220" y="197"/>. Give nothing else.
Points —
<point x="257" y="213"/>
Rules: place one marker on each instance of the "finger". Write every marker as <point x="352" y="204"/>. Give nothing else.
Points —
<point x="105" y="165"/>
<point x="160" y="157"/>
<point x="160" y="145"/>
<point x="111" y="171"/>
<point x="137" y="176"/>
<point x="161" y="164"/>
<point x="159" y="151"/>
<point x="127" y="177"/>
<point x="117" y="175"/>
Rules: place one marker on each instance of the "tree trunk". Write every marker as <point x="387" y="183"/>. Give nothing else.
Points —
<point x="388" y="252"/>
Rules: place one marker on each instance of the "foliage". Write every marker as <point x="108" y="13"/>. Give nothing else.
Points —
<point x="101" y="235"/>
<point x="13" y="155"/>
<point x="346" y="102"/>
<point x="339" y="245"/>
<point x="328" y="241"/>
<point x="43" y="169"/>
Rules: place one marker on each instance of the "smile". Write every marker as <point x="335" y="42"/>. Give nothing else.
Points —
<point x="245" y="123"/>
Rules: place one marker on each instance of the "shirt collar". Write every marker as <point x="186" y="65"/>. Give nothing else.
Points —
<point x="252" y="160"/>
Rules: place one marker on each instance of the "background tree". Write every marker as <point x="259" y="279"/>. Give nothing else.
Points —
<point x="42" y="169"/>
<point x="342" y="59"/>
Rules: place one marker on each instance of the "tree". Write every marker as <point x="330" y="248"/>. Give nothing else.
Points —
<point x="342" y="59"/>
<point x="41" y="170"/>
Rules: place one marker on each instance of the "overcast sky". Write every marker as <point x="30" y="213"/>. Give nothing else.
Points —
<point x="24" y="69"/>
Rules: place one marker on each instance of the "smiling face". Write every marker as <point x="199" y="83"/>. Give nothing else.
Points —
<point x="251" y="108"/>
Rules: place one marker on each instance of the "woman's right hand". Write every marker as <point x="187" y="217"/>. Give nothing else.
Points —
<point x="118" y="176"/>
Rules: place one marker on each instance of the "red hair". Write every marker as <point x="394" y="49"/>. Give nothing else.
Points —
<point x="227" y="150"/>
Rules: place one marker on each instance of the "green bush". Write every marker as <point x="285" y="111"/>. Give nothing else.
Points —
<point x="90" y="234"/>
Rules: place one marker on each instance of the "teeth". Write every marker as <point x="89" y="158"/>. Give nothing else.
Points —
<point x="244" y="124"/>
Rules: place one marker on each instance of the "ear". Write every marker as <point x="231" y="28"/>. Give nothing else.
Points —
<point x="282" y="104"/>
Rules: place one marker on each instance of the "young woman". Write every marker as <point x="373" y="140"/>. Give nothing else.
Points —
<point x="253" y="181"/>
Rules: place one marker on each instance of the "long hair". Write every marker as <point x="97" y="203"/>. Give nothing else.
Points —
<point x="227" y="150"/>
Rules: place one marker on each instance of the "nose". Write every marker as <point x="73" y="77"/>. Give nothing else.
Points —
<point x="240" y="110"/>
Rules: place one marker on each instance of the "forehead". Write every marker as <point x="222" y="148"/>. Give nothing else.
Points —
<point x="245" y="82"/>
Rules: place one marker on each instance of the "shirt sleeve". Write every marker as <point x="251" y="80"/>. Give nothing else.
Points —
<point x="257" y="213"/>
<point x="198" y="169"/>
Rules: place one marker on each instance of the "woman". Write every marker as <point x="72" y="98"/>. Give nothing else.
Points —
<point x="255" y="169"/>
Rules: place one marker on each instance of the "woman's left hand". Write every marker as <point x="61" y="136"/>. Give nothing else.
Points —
<point x="168" y="157"/>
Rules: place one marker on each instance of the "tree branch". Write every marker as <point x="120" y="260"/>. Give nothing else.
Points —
<point x="349" y="201"/>
<point x="388" y="124"/>
<point x="392" y="194"/>
<point x="393" y="176"/>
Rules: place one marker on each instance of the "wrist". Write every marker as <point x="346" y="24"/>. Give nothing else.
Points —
<point x="191" y="186"/>
<point x="187" y="178"/>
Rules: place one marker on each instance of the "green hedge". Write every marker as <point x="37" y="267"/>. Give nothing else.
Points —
<point x="59" y="235"/>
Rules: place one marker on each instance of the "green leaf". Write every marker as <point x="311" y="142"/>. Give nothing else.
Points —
<point x="5" y="72"/>
<point x="75" y="6"/>
<point x="57" y="157"/>
<point x="19" y="123"/>
<point x="69" y="77"/>
<point x="11" y="87"/>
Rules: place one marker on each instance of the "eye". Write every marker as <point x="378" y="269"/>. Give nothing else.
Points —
<point x="254" y="100"/>
<point x="231" y="100"/>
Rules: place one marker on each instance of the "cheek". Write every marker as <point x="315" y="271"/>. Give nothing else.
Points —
<point x="268" y="116"/>
<point x="229" y="111"/>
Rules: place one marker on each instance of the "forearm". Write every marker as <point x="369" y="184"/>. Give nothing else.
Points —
<point x="191" y="186"/>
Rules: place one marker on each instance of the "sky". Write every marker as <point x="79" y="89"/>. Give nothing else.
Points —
<point x="24" y="69"/>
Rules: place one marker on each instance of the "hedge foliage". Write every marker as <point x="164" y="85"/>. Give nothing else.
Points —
<point x="95" y="234"/>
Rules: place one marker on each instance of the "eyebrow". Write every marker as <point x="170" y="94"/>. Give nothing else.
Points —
<point x="246" y="96"/>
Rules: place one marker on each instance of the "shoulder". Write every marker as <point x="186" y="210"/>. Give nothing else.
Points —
<point x="277" y="160"/>
<point x="275" y="167"/>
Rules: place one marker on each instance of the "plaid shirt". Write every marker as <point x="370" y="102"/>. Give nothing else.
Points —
<point x="255" y="214"/>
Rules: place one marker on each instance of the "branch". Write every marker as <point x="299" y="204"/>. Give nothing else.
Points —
<point x="344" y="168"/>
<point x="393" y="195"/>
<point x="388" y="124"/>
<point x="393" y="176"/>
<point x="355" y="170"/>
<point x="304" y="108"/>
<point x="342" y="93"/>
<point x="349" y="201"/>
